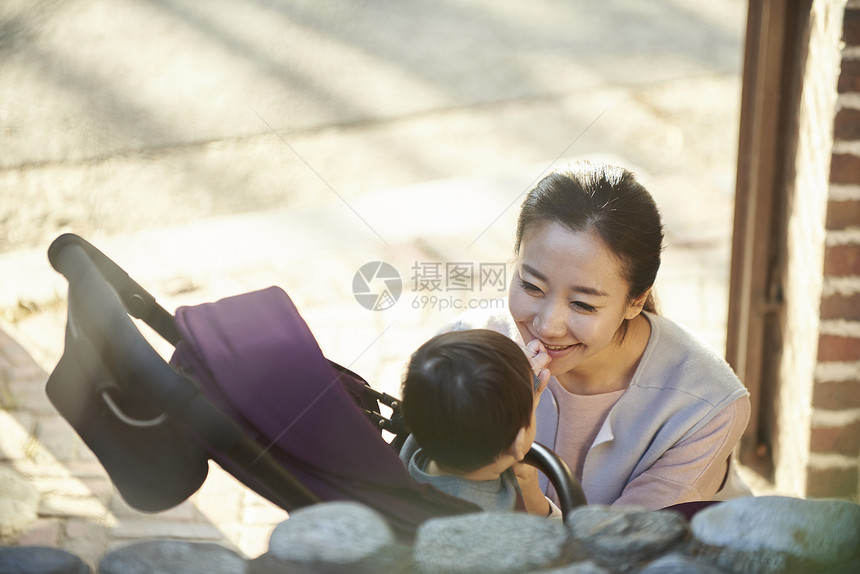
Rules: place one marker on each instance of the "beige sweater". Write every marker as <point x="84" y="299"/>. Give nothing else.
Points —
<point x="693" y="471"/>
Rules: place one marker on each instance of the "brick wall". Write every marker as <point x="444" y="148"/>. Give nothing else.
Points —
<point x="806" y="207"/>
<point x="834" y="445"/>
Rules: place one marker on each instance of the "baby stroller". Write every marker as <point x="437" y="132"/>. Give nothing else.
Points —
<point x="247" y="387"/>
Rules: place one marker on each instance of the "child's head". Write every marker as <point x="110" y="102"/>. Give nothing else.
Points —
<point x="467" y="395"/>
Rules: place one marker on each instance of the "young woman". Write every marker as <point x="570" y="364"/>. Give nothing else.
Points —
<point x="643" y="412"/>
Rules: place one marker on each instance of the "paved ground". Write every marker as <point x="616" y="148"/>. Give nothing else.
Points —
<point x="217" y="148"/>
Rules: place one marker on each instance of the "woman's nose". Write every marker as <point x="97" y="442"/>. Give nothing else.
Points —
<point x="549" y="322"/>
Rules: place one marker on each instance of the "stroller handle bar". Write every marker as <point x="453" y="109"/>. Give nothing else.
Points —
<point x="138" y="302"/>
<point x="567" y="487"/>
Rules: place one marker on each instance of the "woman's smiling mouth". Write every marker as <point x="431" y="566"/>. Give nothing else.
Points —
<point x="558" y="351"/>
<point x="556" y="347"/>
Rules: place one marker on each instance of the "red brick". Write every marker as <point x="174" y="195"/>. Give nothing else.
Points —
<point x="837" y="348"/>
<point x="849" y="79"/>
<point x="839" y="440"/>
<point x="842" y="260"/>
<point x="836" y="396"/>
<point x="832" y="482"/>
<point x="846" y="125"/>
<point x="839" y="306"/>
<point x="851" y="27"/>
<point x="845" y="168"/>
<point x="843" y="214"/>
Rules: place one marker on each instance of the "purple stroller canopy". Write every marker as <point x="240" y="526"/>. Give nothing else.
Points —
<point x="257" y="360"/>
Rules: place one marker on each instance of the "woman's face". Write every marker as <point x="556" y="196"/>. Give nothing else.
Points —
<point x="568" y="291"/>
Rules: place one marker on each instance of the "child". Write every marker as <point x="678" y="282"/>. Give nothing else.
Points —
<point x="468" y="400"/>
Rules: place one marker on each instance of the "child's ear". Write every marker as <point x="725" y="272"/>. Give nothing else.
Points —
<point x="521" y="444"/>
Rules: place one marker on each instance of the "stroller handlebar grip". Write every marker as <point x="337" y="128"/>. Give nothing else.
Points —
<point x="59" y="244"/>
<point x="567" y="487"/>
<point x="112" y="273"/>
<point x="138" y="302"/>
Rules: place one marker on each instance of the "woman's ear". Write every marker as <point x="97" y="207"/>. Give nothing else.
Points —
<point x="636" y="305"/>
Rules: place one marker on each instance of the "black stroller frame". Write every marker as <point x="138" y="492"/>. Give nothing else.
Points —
<point x="151" y="425"/>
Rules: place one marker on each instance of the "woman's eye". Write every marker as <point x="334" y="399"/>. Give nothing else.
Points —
<point x="526" y="286"/>
<point x="585" y="307"/>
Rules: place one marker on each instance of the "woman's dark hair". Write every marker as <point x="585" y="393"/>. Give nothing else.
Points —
<point x="465" y="396"/>
<point x="605" y="199"/>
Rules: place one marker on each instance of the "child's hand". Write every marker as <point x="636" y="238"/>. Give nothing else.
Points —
<point x="539" y="359"/>
<point x="526" y="474"/>
<point x="534" y="500"/>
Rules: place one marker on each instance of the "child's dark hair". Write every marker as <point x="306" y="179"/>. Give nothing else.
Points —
<point x="466" y="395"/>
